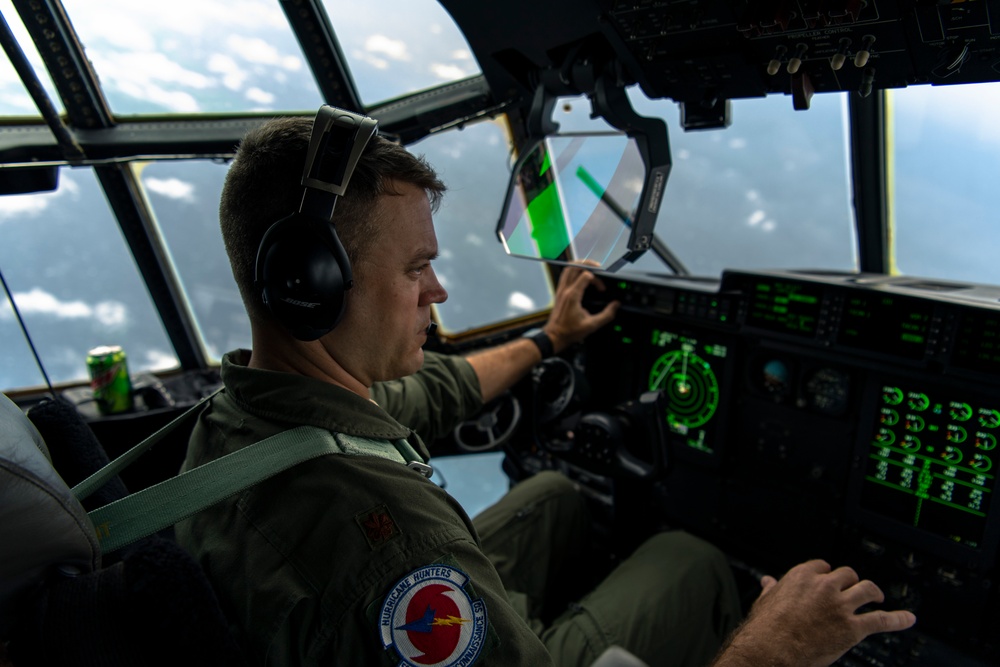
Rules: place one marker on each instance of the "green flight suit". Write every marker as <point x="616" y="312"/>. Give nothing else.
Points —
<point x="355" y="559"/>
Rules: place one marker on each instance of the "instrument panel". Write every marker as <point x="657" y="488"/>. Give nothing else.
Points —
<point x="787" y="416"/>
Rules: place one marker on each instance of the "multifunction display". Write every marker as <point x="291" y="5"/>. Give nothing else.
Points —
<point x="886" y="323"/>
<point x="785" y="306"/>
<point x="684" y="368"/>
<point x="931" y="461"/>
<point x="977" y="344"/>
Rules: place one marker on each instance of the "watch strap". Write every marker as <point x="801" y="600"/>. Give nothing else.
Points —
<point x="542" y="340"/>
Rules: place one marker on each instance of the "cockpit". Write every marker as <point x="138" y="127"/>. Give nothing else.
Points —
<point x="794" y="202"/>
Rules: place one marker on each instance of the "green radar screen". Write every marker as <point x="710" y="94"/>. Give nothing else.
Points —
<point x="683" y="372"/>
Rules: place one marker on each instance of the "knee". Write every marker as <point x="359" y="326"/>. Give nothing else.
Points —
<point x="553" y="495"/>
<point x="685" y="552"/>
<point x="553" y="482"/>
<point x="548" y="486"/>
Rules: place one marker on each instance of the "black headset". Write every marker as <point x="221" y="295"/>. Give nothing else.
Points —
<point x="302" y="271"/>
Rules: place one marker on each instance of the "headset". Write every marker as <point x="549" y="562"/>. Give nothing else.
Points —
<point x="302" y="271"/>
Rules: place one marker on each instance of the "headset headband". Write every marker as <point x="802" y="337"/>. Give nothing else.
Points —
<point x="337" y="140"/>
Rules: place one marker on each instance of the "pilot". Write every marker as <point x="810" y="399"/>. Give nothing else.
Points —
<point x="357" y="558"/>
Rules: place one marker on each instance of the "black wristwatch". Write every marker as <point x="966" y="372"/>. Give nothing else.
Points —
<point x="542" y="340"/>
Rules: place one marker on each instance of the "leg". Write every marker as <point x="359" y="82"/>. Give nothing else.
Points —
<point x="672" y="602"/>
<point x="532" y="534"/>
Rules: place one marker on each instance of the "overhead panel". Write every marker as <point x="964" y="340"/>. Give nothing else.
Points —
<point x="700" y="52"/>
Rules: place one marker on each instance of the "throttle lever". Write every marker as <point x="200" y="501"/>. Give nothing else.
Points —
<point x="646" y="413"/>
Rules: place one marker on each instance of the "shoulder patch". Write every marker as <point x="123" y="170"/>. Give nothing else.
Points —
<point x="378" y="525"/>
<point x="431" y="620"/>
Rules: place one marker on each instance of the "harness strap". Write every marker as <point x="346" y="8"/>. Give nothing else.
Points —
<point x="145" y="512"/>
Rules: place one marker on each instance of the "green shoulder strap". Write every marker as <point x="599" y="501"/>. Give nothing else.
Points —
<point x="145" y="512"/>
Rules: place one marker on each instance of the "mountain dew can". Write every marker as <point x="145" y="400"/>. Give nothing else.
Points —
<point x="109" y="379"/>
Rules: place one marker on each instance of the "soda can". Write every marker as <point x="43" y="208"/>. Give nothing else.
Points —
<point x="109" y="379"/>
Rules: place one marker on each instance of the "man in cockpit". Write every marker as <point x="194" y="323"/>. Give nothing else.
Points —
<point x="357" y="558"/>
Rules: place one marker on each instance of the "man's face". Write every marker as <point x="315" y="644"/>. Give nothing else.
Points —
<point x="384" y="327"/>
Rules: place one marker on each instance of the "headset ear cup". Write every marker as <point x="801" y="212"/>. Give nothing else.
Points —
<point x="303" y="273"/>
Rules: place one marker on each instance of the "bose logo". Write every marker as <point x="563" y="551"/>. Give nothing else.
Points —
<point x="296" y="302"/>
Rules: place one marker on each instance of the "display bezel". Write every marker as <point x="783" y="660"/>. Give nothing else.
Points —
<point x="971" y="336"/>
<point x="811" y="293"/>
<point x="976" y="557"/>
<point x="631" y="377"/>
<point x="879" y="326"/>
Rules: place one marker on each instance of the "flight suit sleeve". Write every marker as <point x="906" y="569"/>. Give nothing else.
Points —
<point x="433" y="400"/>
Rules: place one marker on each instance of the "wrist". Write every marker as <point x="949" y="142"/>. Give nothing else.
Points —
<point x="542" y="340"/>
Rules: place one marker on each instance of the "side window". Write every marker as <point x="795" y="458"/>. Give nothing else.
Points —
<point x="184" y="196"/>
<point x="945" y="155"/>
<point x="485" y="285"/>
<point x="74" y="283"/>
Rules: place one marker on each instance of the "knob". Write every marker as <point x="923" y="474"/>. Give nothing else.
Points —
<point x="796" y="61"/>
<point x="775" y="65"/>
<point x="865" y="52"/>
<point x="839" y="58"/>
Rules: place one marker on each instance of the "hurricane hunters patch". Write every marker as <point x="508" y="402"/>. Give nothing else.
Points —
<point x="432" y="619"/>
<point x="378" y="525"/>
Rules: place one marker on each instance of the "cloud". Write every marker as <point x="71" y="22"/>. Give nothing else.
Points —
<point x="160" y="360"/>
<point x="259" y="96"/>
<point x="368" y="58"/>
<point x="139" y="48"/>
<point x="178" y="101"/>
<point x="142" y="75"/>
<point x="16" y="206"/>
<point x="519" y="301"/>
<point x="259" y="51"/>
<point x="737" y="143"/>
<point x="447" y="72"/>
<point x="394" y="49"/>
<point x="40" y="302"/>
<point x="760" y="220"/>
<point x="125" y="30"/>
<point x="111" y="313"/>
<point x="173" y="188"/>
<point x="139" y="67"/>
<point x="233" y="76"/>
<point x="13" y="207"/>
